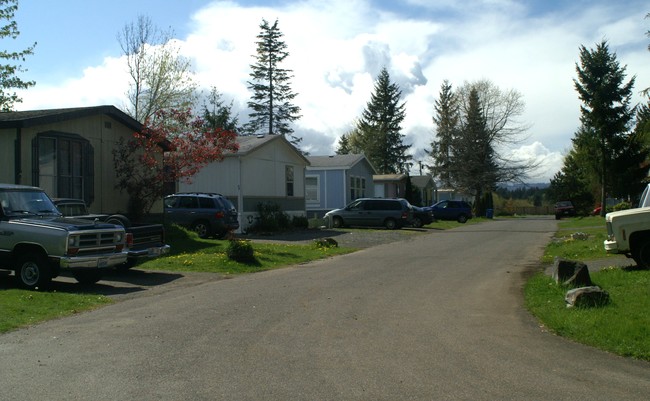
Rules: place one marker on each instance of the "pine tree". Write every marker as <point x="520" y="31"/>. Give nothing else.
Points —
<point x="379" y="128"/>
<point x="219" y="115"/>
<point x="474" y="159"/>
<point x="446" y="119"/>
<point x="8" y="71"/>
<point x="271" y="103"/>
<point x="606" y="114"/>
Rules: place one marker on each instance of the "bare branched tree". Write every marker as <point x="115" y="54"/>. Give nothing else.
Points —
<point x="161" y="78"/>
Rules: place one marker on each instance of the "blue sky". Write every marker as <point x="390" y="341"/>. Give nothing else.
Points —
<point x="337" y="47"/>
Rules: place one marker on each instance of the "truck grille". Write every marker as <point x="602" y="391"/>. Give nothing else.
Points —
<point x="97" y="242"/>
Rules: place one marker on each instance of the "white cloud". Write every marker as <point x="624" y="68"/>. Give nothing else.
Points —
<point x="338" y="47"/>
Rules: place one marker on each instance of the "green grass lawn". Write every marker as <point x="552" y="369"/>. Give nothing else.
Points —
<point x="621" y="327"/>
<point x="565" y="246"/>
<point x="21" y="308"/>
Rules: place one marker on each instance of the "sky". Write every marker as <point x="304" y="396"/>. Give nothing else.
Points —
<point x="336" y="51"/>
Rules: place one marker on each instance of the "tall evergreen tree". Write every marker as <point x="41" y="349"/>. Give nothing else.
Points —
<point x="8" y="70"/>
<point x="272" y="110"/>
<point x="474" y="161"/>
<point x="379" y="128"/>
<point x="605" y="115"/>
<point x="446" y="118"/>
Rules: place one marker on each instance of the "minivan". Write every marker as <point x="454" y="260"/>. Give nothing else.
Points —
<point x="372" y="212"/>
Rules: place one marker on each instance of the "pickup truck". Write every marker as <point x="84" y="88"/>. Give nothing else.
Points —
<point x="143" y="241"/>
<point x="628" y="232"/>
<point x="36" y="242"/>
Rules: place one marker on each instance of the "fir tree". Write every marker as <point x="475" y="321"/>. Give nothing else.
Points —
<point x="379" y="128"/>
<point x="446" y="119"/>
<point x="218" y="114"/>
<point x="272" y="110"/>
<point x="474" y="160"/>
<point x="605" y="116"/>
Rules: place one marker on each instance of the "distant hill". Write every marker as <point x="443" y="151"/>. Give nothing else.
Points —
<point x="514" y="187"/>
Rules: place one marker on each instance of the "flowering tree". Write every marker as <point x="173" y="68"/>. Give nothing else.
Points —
<point x="172" y="146"/>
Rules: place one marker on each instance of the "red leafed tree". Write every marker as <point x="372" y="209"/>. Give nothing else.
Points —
<point x="172" y="146"/>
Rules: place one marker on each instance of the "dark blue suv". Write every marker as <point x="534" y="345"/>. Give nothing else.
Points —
<point x="460" y="211"/>
<point x="210" y="215"/>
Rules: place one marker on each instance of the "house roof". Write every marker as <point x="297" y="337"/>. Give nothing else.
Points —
<point x="250" y="143"/>
<point x="388" y="177"/>
<point x="422" y="181"/>
<point x="338" y="161"/>
<point x="30" y="118"/>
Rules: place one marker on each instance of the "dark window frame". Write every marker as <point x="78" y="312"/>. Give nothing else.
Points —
<point x="72" y="168"/>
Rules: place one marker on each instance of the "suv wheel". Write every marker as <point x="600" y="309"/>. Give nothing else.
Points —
<point x="202" y="228"/>
<point x="390" y="224"/>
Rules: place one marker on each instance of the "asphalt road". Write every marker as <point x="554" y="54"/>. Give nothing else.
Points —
<point x="436" y="317"/>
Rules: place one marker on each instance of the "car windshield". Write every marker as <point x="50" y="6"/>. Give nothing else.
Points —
<point x="22" y="203"/>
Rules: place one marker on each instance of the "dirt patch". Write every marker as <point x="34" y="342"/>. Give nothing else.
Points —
<point x="349" y="238"/>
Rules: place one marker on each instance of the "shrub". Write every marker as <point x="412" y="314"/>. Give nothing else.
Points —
<point x="300" y="222"/>
<point x="326" y="243"/>
<point x="240" y="251"/>
<point x="622" y="206"/>
<point x="271" y="218"/>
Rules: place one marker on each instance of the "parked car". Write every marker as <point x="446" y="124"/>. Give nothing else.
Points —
<point x="563" y="209"/>
<point x="143" y="241"/>
<point x="373" y="212"/>
<point x="422" y="216"/>
<point x="460" y="211"/>
<point x="209" y="214"/>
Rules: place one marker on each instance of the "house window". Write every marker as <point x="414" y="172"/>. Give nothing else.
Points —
<point x="288" y="174"/>
<point x="312" y="189"/>
<point x="63" y="166"/>
<point x="357" y="187"/>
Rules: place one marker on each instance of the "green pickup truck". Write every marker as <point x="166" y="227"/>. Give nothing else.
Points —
<point x="37" y="242"/>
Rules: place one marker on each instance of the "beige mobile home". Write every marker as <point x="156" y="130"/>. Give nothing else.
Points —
<point x="265" y="169"/>
<point x="67" y="152"/>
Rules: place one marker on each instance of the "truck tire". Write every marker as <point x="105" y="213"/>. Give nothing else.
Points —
<point x="33" y="271"/>
<point x="87" y="277"/>
<point x="119" y="220"/>
<point x="641" y="253"/>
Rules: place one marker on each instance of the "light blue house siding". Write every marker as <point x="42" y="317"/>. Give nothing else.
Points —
<point x="334" y="181"/>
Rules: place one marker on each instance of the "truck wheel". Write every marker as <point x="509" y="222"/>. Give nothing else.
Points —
<point x="417" y="222"/>
<point x="87" y="277"/>
<point x="119" y="220"/>
<point x="33" y="271"/>
<point x="641" y="253"/>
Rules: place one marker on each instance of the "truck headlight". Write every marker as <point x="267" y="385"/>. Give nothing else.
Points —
<point x="73" y="245"/>
<point x="119" y="237"/>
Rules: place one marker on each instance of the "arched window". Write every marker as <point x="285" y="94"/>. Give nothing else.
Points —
<point x="63" y="165"/>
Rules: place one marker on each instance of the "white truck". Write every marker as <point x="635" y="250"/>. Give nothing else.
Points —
<point x="628" y="231"/>
<point x="37" y="242"/>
